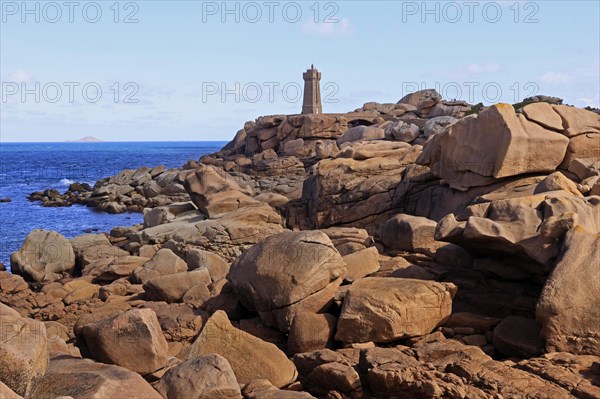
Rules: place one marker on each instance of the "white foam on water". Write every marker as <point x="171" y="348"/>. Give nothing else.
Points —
<point x="66" y="182"/>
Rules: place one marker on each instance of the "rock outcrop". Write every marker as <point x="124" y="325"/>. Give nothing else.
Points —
<point x="568" y="308"/>
<point x="398" y="250"/>
<point x="495" y="144"/>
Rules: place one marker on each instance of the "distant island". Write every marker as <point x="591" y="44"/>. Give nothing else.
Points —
<point x="86" y="139"/>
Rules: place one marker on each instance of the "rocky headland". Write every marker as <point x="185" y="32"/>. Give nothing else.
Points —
<point x="424" y="249"/>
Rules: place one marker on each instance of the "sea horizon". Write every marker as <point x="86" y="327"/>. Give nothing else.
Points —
<point x="27" y="167"/>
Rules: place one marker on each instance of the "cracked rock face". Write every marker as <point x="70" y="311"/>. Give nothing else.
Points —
<point x="287" y="273"/>
<point x="497" y="143"/>
<point x="23" y="351"/>
<point x="385" y="309"/>
<point x="43" y="256"/>
<point x="569" y="307"/>
<point x="250" y="357"/>
<point x="208" y="376"/>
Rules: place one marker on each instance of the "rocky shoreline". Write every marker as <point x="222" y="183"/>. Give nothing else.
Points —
<point x="424" y="249"/>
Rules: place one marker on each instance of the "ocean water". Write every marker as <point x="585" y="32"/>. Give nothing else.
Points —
<point x="29" y="167"/>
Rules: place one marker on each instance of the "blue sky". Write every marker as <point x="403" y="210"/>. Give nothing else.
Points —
<point x="162" y="75"/>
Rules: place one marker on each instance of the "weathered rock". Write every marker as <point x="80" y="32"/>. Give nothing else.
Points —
<point x="581" y="147"/>
<point x="423" y="100"/>
<point x="227" y="235"/>
<point x="215" y="192"/>
<point x="356" y="193"/>
<point x="310" y="331"/>
<point x="324" y="126"/>
<point x="205" y="377"/>
<point x="479" y="323"/>
<point x="294" y="148"/>
<point x="12" y="283"/>
<point x="410" y="233"/>
<point x="23" y="351"/>
<point x="118" y="268"/>
<point x="172" y="287"/>
<point x="84" y="241"/>
<point x="543" y="114"/>
<point x="43" y="255"/>
<point x="529" y="227"/>
<point x="163" y="263"/>
<point x="438" y="125"/>
<point x="179" y="322"/>
<point x="499" y="379"/>
<point x="497" y="143"/>
<point x="403" y="131"/>
<point x="336" y="377"/>
<point x="386" y="309"/>
<point x="263" y="389"/>
<point x="389" y="380"/>
<point x="83" y="293"/>
<point x="569" y="307"/>
<point x="361" y="263"/>
<point x="518" y="336"/>
<point x="7" y="393"/>
<point x="442" y="353"/>
<point x="197" y="258"/>
<point x="273" y="199"/>
<point x="557" y="181"/>
<point x="325" y="372"/>
<point x="197" y="295"/>
<point x="165" y="214"/>
<point x="449" y="108"/>
<point x="574" y="373"/>
<point x="105" y="311"/>
<point x="577" y="121"/>
<point x="326" y="149"/>
<point x="85" y="379"/>
<point x="360" y="133"/>
<point x="278" y="284"/>
<point x="132" y="340"/>
<point x="249" y="357"/>
<point x="348" y="239"/>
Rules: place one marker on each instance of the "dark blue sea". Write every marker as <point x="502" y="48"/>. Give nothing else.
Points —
<point x="29" y="167"/>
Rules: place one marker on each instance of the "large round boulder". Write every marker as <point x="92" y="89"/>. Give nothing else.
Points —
<point x="287" y="273"/>
<point x="205" y="377"/>
<point x="23" y="351"/>
<point x="43" y="256"/>
<point x="133" y="340"/>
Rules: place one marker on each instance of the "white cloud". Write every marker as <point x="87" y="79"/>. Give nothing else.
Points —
<point x="340" y="28"/>
<point x="19" y="76"/>
<point x="584" y="101"/>
<point x="477" y="69"/>
<point x="471" y="70"/>
<point x="555" y="78"/>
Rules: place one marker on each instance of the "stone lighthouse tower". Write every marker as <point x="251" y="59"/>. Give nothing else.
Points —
<point x="312" y="92"/>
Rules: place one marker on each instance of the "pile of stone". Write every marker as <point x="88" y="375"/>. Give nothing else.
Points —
<point x="77" y="193"/>
<point x="401" y="250"/>
<point x="127" y="191"/>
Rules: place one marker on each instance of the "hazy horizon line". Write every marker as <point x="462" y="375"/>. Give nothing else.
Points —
<point x="111" y="141"/>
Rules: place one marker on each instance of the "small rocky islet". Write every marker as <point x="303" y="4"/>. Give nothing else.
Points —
<point x="424" y="249"/>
